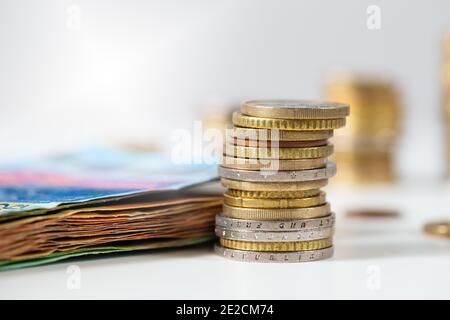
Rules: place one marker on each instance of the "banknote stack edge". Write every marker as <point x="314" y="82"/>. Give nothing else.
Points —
<point x="101" y="200"/>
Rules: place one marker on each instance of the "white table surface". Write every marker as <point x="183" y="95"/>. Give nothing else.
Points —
<point x="382" y="258"/>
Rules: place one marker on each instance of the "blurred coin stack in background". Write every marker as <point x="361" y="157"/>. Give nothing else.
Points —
<point x="274" y="164"/>
<point x="365" y="148"/>
<point x="446" y="83"/>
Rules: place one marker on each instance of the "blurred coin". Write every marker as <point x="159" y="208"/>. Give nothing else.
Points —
<point x="295" y="109"/>
<point x="438" y="228"/>
<point x="372" y="213"/>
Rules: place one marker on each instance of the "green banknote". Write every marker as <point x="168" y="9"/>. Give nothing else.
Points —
<point x="55" y="257"/>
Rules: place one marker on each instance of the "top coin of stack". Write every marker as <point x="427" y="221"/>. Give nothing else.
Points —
<point x="275" y="162"/>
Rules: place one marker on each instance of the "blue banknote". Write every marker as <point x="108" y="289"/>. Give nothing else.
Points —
<point x="92" y="174"/>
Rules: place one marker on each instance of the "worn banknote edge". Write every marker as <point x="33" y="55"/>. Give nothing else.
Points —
<point x="6" y="265"/>
<point x="9" y="215"/>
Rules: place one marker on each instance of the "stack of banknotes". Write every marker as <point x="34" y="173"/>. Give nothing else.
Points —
<point x="101" y="200"/>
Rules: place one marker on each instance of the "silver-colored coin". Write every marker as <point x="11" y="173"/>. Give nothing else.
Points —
<point x="256" y="256"/>
<point x="276" y="226"/>
<point x="283" y="236"/>
<point x="279" y="176"/>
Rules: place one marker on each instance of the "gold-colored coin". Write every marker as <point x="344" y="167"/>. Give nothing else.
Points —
<point x="279" y="144"/>
<point x="280" y="135"/>
<point x="274" y="203"/>
<point x="287" y="124"/>
<point x="278" y="153"/>
<point x="276" y="214"/>
<point x="273" y="186"/>
<point x="295" y="109"/>
<point x="439" y="228"/>
<point x="372" y="213"/>
<point x="273" y="194"/>
<point x="277" y="246"/>
<point x="376" y="108"/>
<point x="273" y="164"/>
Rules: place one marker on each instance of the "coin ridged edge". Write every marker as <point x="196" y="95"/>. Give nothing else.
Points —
<point x="274" y="257"/>
<point x="277" y="246"/>
<point x="279" y="176"/>
<point x="281" y="165"/>
<point x="281" y="135"/>
<point x="278" y="236"/>
<point x="275" y="203"/>
<point x="274" y="225"/>
<point x="302" y="110"/>
<point x="273" y="186"/>
<point x="276" y="214"/>
<point x="287" y="124"/>
<point x="273" y="194"/>
<point x="278" y="153"/>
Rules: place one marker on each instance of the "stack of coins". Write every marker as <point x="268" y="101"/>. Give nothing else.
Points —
<point x="365" y="148"/>
<point x="275" y="162"/>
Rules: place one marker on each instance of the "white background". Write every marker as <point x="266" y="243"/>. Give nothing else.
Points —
<point x="134" y="70"/>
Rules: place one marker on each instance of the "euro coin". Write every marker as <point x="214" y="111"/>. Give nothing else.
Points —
<point x="275" y="225"/>
<point x="439" y="228"/>
<point x="273" y="164"/>
<point x="273" y="186"/>
<point x="273" y="194"/>
<point x="279" y="176"/>
<point x="279" y="135"/>
<point x="279" y="144"/>
<point x="284" y="236"/>
<point x="278" y="153"/>
<point x="295" y="109"/>
<point x="277" y="246"/>
<point x="270" y="257"/>
<point x="276" y="214"/>
<point x="287" y="124"/>
<point x="275" y="203"/>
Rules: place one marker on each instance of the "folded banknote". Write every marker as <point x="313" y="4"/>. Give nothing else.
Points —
<point x="100" y="201"/>
<point x="89" y="175"/>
